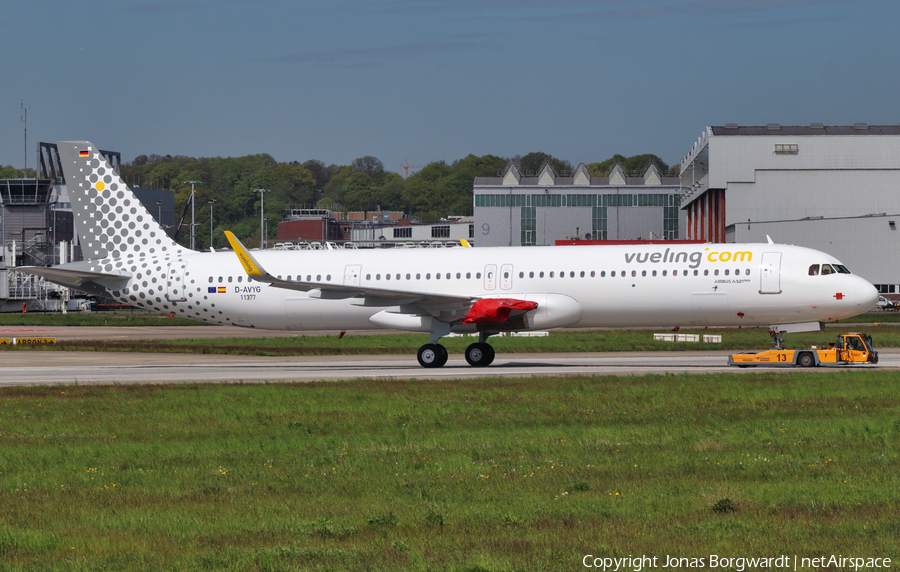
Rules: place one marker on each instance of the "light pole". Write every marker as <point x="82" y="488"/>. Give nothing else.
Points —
<point x="267" y="232"/>
<point x="261" y="214"/>
<point x="211" y="202"/>
<point x="159" y="212"/>
<point x="193" y="204"/>
<point x="53" y="206"/>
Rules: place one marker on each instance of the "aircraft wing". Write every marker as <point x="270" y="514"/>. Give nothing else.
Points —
<point x="330" y="291"/>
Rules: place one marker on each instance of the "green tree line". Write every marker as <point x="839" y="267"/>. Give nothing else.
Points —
<point x="437" y="190"/>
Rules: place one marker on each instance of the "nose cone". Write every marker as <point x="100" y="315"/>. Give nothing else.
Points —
<point x="861" y="293"/>
<point x="868" y="294"/>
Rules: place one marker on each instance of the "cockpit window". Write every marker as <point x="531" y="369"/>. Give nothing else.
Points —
<point x="827" y="269"/>
<point x="841" y="269"/>
<point x="814" y="270"/>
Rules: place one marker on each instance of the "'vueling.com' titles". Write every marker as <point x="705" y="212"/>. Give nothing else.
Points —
<point x="695" y="258"/>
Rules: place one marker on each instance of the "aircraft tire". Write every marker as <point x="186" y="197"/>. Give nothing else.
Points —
<point x="432" y="355"/>
<point x="479" y="354"/>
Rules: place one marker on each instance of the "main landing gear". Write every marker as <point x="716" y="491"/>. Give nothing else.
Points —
<point x="479" y="354"/>
<point x="432" y="355"/>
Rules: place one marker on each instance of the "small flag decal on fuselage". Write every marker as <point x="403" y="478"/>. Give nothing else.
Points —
<point x="214" y="290"/>
<point x="83" y="153"/>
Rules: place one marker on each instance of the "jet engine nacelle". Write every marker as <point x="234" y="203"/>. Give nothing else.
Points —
<point x="553" y="311"/>
<point x="400" y="321"/>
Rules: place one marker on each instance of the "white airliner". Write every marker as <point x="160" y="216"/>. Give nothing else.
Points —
<point x="129" y="258"/>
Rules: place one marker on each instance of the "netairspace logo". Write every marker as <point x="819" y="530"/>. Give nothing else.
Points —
<point x="714" y="561"/>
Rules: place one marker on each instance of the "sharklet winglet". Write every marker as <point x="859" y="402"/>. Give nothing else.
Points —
<point x="251" y="266"/>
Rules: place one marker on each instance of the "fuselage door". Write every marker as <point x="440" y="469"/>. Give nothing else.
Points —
<point x="770" y="273"/>
<point x="351" y="274"/>
<point x="490" y="276"/>
<point x="506" y="277"/>
<point x="175" y="281"/>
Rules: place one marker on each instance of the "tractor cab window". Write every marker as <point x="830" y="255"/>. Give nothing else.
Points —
<point x="868" y="341"/>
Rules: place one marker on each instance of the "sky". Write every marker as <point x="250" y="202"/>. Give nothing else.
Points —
<point x="432" y="80"/>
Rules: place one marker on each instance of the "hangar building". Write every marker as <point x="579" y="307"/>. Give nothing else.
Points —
<point x="517" y="209"/>
<point x="832" y="188"/>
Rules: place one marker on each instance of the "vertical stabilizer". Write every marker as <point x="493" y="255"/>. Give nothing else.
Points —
<point x="110" y="220"/>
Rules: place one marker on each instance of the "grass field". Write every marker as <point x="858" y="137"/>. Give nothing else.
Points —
<point x="407" y="344"/>
<point x="477" y="475"/>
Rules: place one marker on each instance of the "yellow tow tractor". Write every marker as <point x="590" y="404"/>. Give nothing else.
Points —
<point x="849" y="348"/>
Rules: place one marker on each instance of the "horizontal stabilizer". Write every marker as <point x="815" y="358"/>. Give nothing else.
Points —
<point x="75" y="278"/>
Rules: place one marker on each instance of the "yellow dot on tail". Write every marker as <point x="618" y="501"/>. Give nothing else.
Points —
<point x="100" y="185"/>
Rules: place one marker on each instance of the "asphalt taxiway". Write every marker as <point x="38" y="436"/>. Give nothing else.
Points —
<point x="51" y="367"/>
<point x="55" y="367"/>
